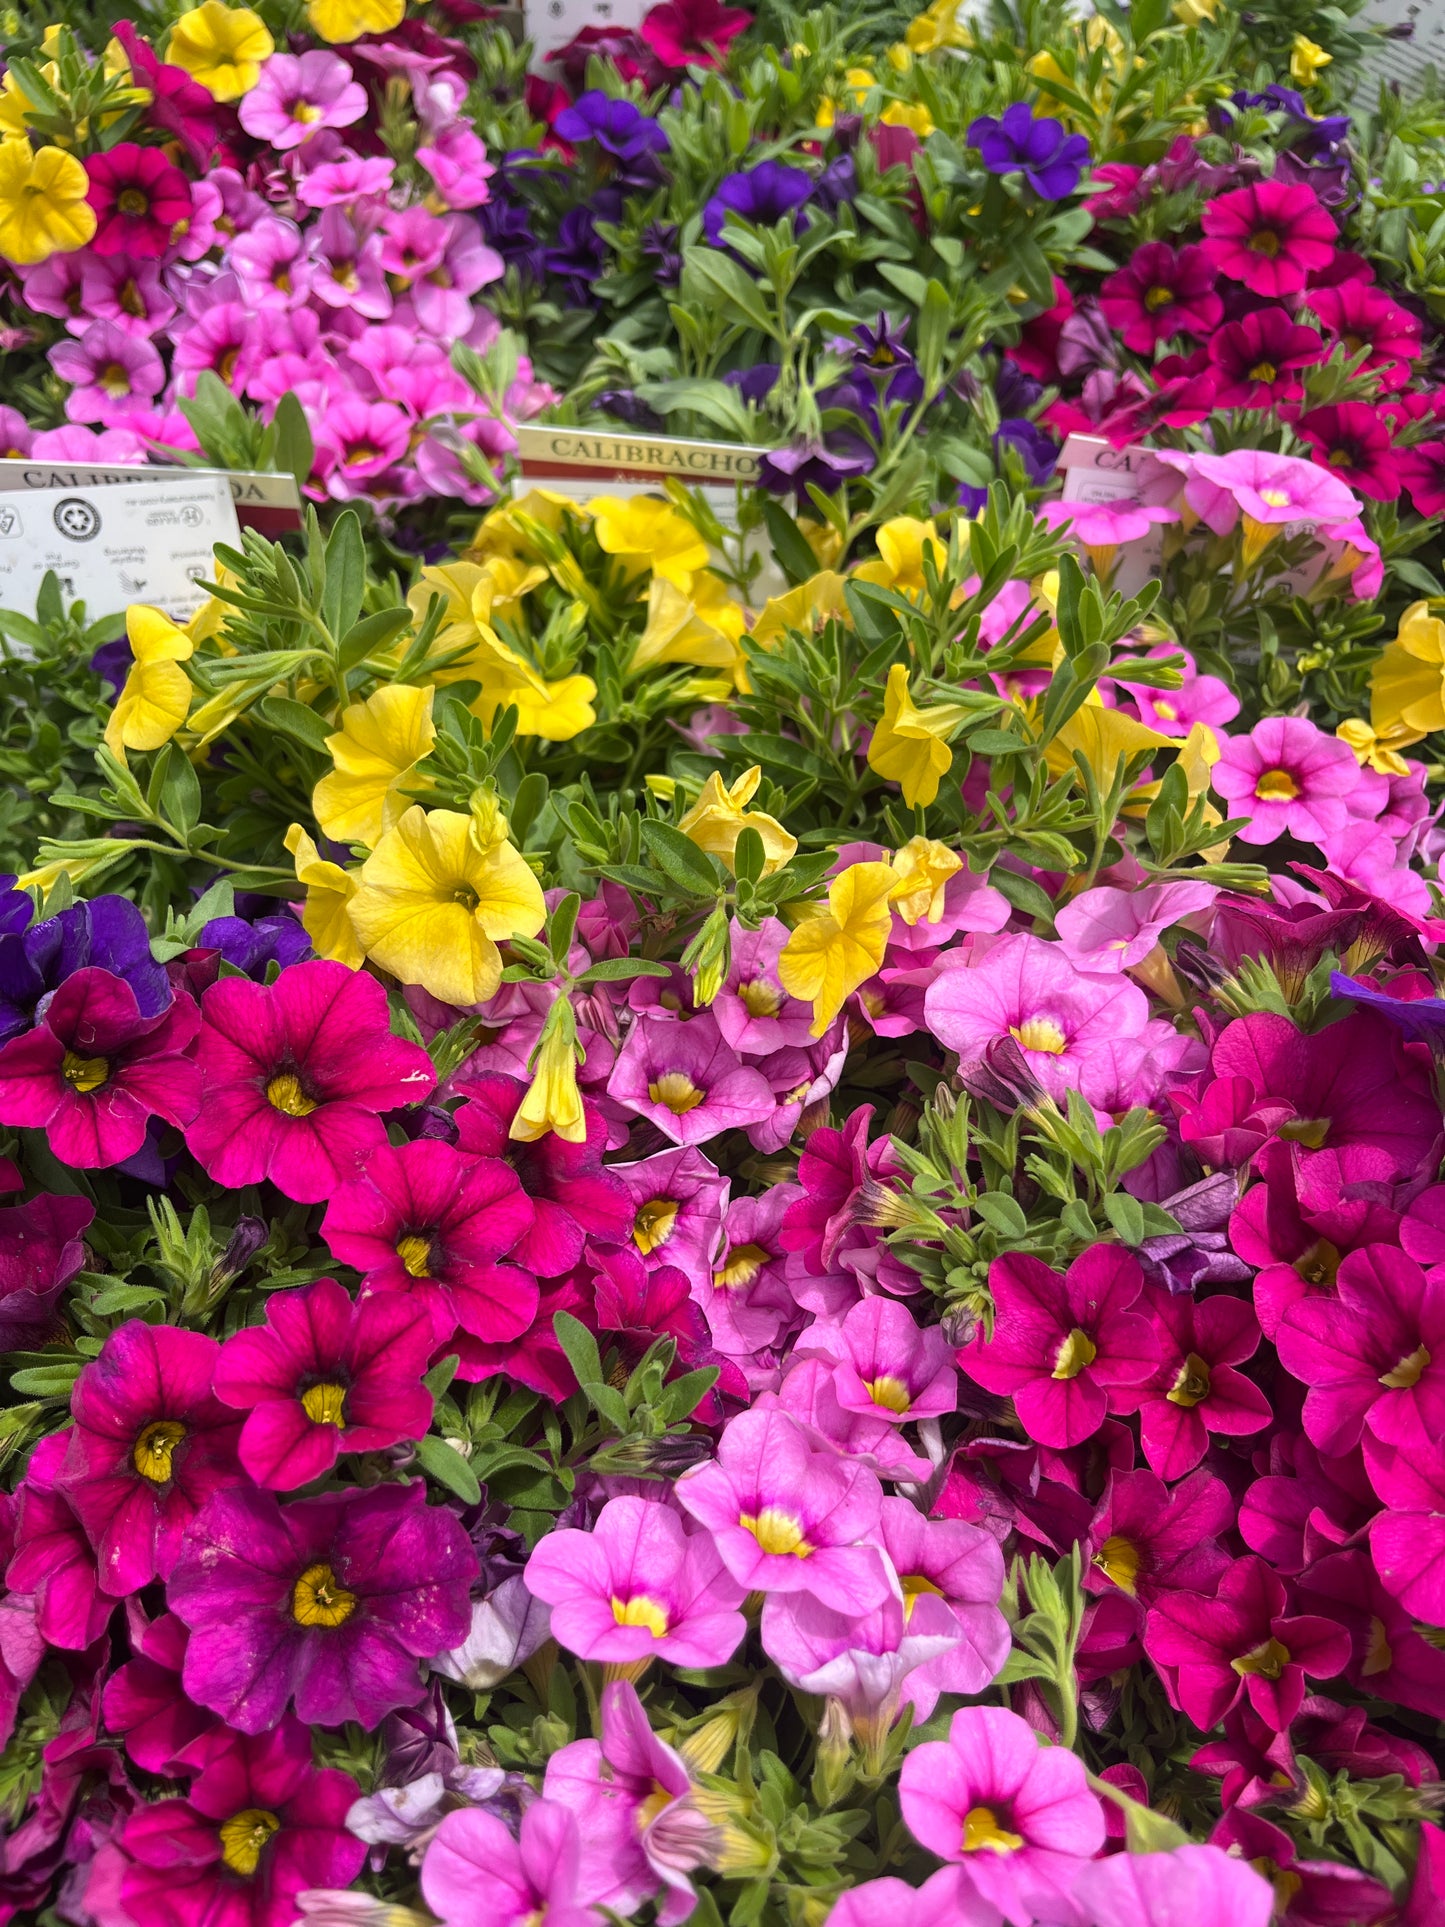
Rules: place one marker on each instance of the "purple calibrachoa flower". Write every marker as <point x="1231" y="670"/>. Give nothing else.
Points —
<point x="679" y="1074"/>
<point x="476" y="1873"/>
<point x="332" y="1600"/>
<point x="788" y="1516"/>
<point x="765" y="195"/>
<point x="1050" y="158"/>
<point x="150" y="1445"/>
<point x="94" y="1071"/>
<point x="1017" y="1818"/>
<point x="41" y="1250"/>
<point x="1373" y="1354"/>
<point x="1242" y="1644"/>
<point x="324" y="1376"/>
<point x="1194" y="1389"/>
<point x="1066" y="1349"/>
<point x="639" y="1586"/>
<point x="294" y="1076"/>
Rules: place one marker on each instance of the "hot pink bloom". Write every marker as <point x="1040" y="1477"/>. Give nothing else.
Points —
<point x="1147" y="1540"/>
<point x="678" y="1199"/>
<point x="1194" y="1391"/>
<point x="1017" y="1817"/>
<point x="1389" y="1658"/>
<point x="356" y="441"/>
<point x="434" y="1223"/>
<point x="477" y="1874"/>
<point x="788" y="1516"/>
<point x="325" y="1376"/>
<point x="639" y="1586"/>
<point x="1308" y="1893"/>
<point x="295" y="1075"/>
<point x="1200" y="1884"/>
<point x="139" y="196"/>
<point x="1271" y="236"/>
<point x="1352" y="440"/>
<point x="297" y="96"/>
<point x="680" y="1075"/>
<point x="1160" y="294"/>
<point x="269" y="260"/>
<point x="747" y="1297"/>
<point x="53" y="1560"/>
<point x="1256" y="360"/>
<point x="332" y="1600"/>
<point x="1422" y="470"/>
<point x="1243" y="1643"/>
<point x="1288" y="778"/>
<point x="688" y="33"/>
<point x="344" y="183"/>
<point x="1273" y="489"/>
<point x="1361" y="316"/>
<point x="1407" y="1540"/>
<point x="127" y="292"/>
<point x="149" y="1446"/>
<point x="144" y="1701"/>
<point x="1102" y="525"/>
<point x="457" y="162"/>
<point x="1108" y="929"/>
<point x="1066" y="1349"/>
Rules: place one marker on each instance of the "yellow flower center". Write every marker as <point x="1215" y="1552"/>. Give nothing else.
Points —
<point x="1320" y="1263"/>
<point x="84" y="1074"/>
<point x="319" y="1599"/>
<point x="760" y="998"/>
<point x="244" y="1836"/>
<point x="654" y="1223"/>
<point x="1077" y="1351"/>
<point x="415" y="1254"/>
<point x="652" y="1806"/>
<point x="131" y="200"/>
<point x="1408" y="1371"/>
<point x="303" y="111"/>
<point x="676" y="1092"/>
<point x="1040" y="1033"/>
<point x="284" y="1093"/>
<point x="777" y="1532"/>
<point x="914" y="1586"/>
<point x="890" y="1393"/>
<point x="1378" y="1656"/>
<point x="325" y="1404"/>
<point x="1167" y="710"/>
<point x="226" y="366"/>
<point x="1158" y="298"/>
<point x="1267" y="1661"/>
<point x="740" y="1267"/>
<point x="1276" y="786"/>
<point x="1276" y="498"/>
<point x="1192" y="1385"/>
<point x="1309" y="1131"/>
<point x="641" y="1611"/>
<point x="1339" y="458"/>
<point x="358" y="453"/>
<point x="1118" y="1560"/>
<point x="345" y="276"/>
<point x="114" y="379"/>
<point x="151" y="1453"/>
<point x="1266" y="242"/>
<point x="1286" y="1884"/>
<point x="1264" y="371"/>
<point x="131" y="300"/>
<point x="982" y="1833"/>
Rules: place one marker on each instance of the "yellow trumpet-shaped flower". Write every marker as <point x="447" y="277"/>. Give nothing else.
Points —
<point x="342" y="21"/>
<point x="902" y="545"/>
<point x="157" y="693"/>
<point x="555" y="711"/>
<point x="1407" y="688"/>
<point x="908" y="113"/>
<point x="811" y="602"/>
<point x="648" y="534"/>
<point x="221" y="47"/>
<point x="1379" y="752"/>
<point x="1306" y="61"/>
<point x="720" y="815"/>
<point x="552" y="1102"/>
<point x="923" y="867"/>
<point x="503" y="581"/>
<point x="1104" y="737"/>
<point x="908" y="746"/>
<point x="432" y="905"/>
<point x="679" y="630"/>
<point x="940" y="26"/>
<point x="326" y="915"/>
<point x="375" y="753"/>
<point x="43" y="209"/>
<point x="837" y="948"/>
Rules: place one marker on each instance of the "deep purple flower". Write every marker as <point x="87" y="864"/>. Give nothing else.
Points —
<point x="254" y="947"/>
<point x="580" y="254"/>
<point x="41" y="1250"/>
<point x="1050" y="158"/>
<point x="332" y="1600"/>
<point x="764" y="195"/>
<point x="618" y="127"/>
<point x="788" y="471"/>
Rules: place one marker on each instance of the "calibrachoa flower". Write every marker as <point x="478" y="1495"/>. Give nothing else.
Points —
<point x="679" y="1074"/>
<point x="1271" y="236"/>
<point x="1161" y="294"/>
<point x="41" y="1250"/>
<point x="1287" y="778"/>
<point x="477" y="1873"/>
<point x="1195" y="1389"/>
<point x="1050" y="158"/>
<point x="296" y="97"/>
<point x="331" y="1600"/>
<point x="139" y="197"/>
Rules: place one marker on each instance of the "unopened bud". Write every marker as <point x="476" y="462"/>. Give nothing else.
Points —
<point x="1002" y="1077"/>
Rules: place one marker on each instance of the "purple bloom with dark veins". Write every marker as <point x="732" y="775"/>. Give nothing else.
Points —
<point x="580" y="255"/>
<point x="618" y="127"/>
<point x="1049" y="158"/>
<point x="788" y="471"/>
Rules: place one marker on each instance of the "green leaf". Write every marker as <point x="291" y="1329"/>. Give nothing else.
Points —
<point x="795" y="558"/>
<point x="294" y="719"/>
<point x="46" y="1381"/>
<point x="372" y="632"/>
<point x="294" y="451"/>
<point x="683" y="862"/>
<point x="681" y="1396"/>
<point x="1022" y="892"/>
<point x="345" y="574"/>
<point x="580" y="1346"/>
<point x="620" y="970"/>
<point x="720" y="280"/>
<point x="934" y="319"/>
<point x="181" y="793"/>
<point x="1002" y="1213"/>
<point x="446" y="1465"/>
<point x="1126" y="1214"/>
<point x="441" y="1374"/>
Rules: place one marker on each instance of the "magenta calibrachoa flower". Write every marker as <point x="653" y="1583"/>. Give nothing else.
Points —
<point x="331" y="1600"/>
<point x="294" y="1076"/>
<point x="639" y="1586"/>
<point x="150" y="1445"/>
<point x="41" y="1249"/>
<point x="1195" y="1390"/>
<point x="53" y="1560"/>
<point x="1066" y="1349"/>
<point x="1016" y="1817"/>
<point x="1271" y="236"/>
<point x="324" y="1376"/>
<point x="788" y="1516"/>
<point x="1147" y="1539"/>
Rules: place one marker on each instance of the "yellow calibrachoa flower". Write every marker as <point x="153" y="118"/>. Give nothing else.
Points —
<point x="341" y="21"/>
<point x="15" y="108"/>
<point x="811" y="602"/>
<point x="377" y="748"/>
<point x="1104" y="737"/>
<point x="720" y="815"/>
<point x="681" y="629"/>
<point x="1306" y="61"/>
<point x="326" y="916"/>
<point x="500" y="531"/>
<point x="221" y="47"/>
<point x="157" y="694"/>
<point x="923" y="867"/>
<point x="1407" y="688"/>
<point x="552" y="1102"/>
<point x="837" y="948"/>
<point x="555" y="711"/>
<point x="902" y="544"/>
<point x="43" y="210"/>
<point x="908" y="746"/>
<point x="939" y="27"/>
<point x="433" y="904"/>
<point x="649" y="534"/>
<point x="1379" y="752"/>
<point x="909" y="113"/>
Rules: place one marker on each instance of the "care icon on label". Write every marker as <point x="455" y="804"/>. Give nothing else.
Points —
<point x="10" y="522"/>
<point x="77" y="518"/>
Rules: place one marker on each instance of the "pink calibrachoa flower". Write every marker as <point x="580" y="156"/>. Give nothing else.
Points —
<point x="1159" y="294"/>
<point x="258" y="1825"/>
<point x="53" y="1561"/>
<point x="113" y="373"/>
<point x="1364" y="317"/>
<point x="863" y="1661"/>
<point x="1407" y="1539"/>
<point x="888" y="1366"/>
<point x="332" y="1600"/>
<point x="145" y="1704"/>
<point x="678" y="1198"/>
<point x="1174" y="712"/>
<point x="1242" y="1644"/>
<point x="1108" y="929"/>
<point x="1194" y="1389"/>
<point x="477" y="1873"/>
<point x="1271" y="236"/>
<point x="150" y="1445"/>
<point x="1288" y="778"/>
<point x="960" y="1566"/>
<point x="639" y="1586"/>
<point x="139" y="195"/>
<point x="295" y="1075"/>
<point x="1373" y="1355"/>
<point x="324" y="1376"/>
<point x="297" y="96"/>
<point x="356" y="441"/>
<point x="691" y="33"/>
<point x="1256" y="360"/>
<point x="753" y="1013"/>
<point x="1104" y="525"/>
<point x="94" y="1071"/>
<point x="1147" y="1540"/>
<point x="1352" y="440"/>
<point x="1066" y="1349"/>
<point x="1306" y="1893"/>
<point x="1272" y="490"/>
<point x="680" y="1075"/>
<point x="1305" y="1505"/>
<point x="1389" y="1657"/>
<point x="429" y="1221"/>
<point x="942" y="1900"/>
<point x="789" y="1516"/>
<point x="1018" y="1818"/>
<point x="747" y="1298"/>
<point x="1203" y="1885"/>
